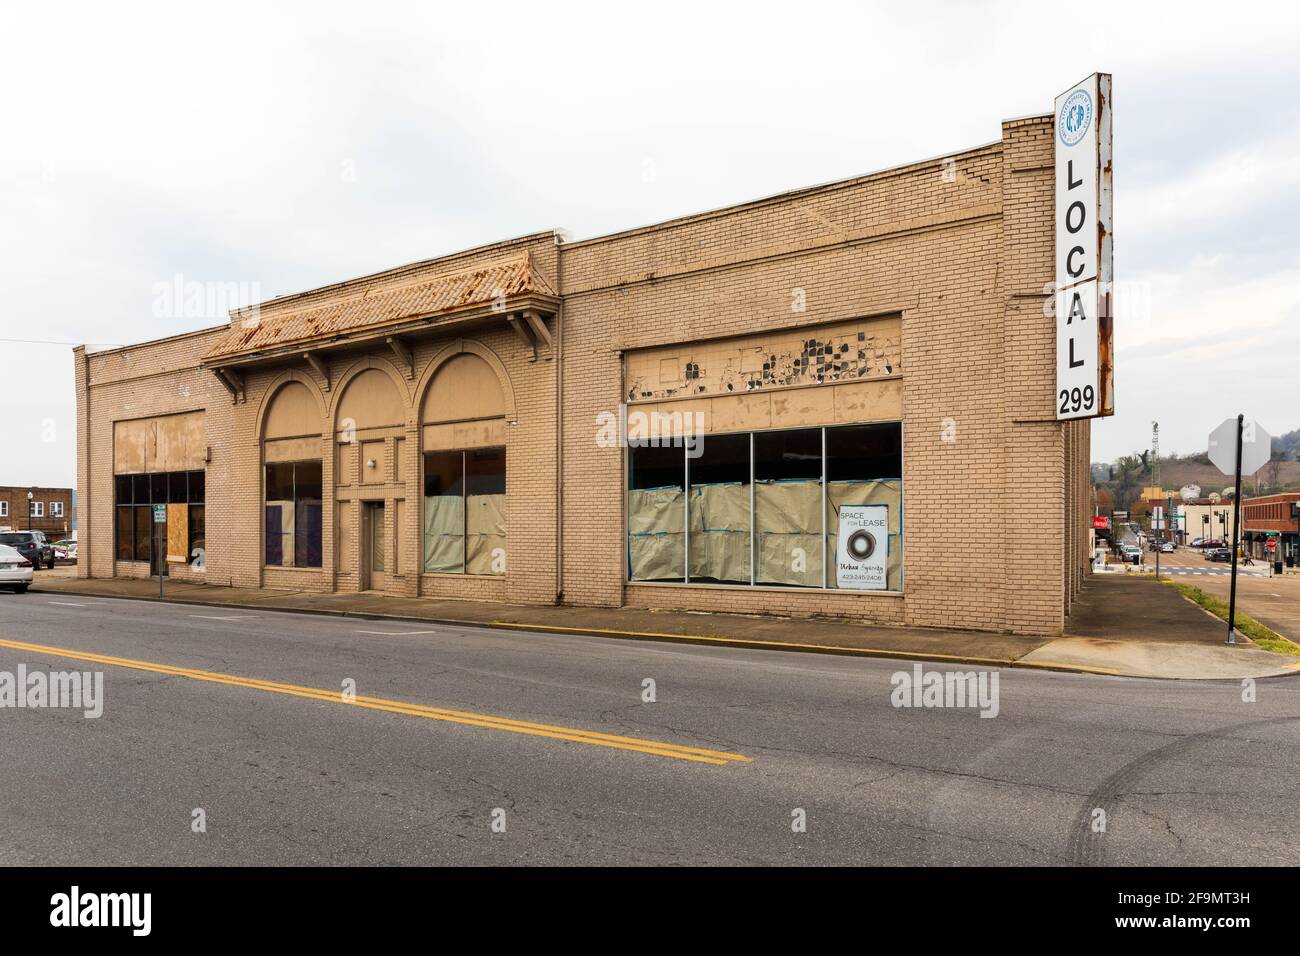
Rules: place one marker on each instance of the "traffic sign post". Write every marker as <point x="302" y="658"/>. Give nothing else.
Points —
<point x="1237" y="446"/>
<point x="160" y="543"/>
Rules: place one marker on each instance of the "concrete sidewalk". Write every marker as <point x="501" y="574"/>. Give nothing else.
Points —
<point x="1123" y="626"/>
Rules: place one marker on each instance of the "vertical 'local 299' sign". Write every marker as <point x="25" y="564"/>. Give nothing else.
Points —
<point x="1084" y="344"/>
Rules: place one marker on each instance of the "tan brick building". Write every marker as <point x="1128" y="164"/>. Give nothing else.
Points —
<point x="874" y="348"/>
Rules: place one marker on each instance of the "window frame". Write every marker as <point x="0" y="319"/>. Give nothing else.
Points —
<point x="145" y="480"/>
<point x="465" y="476"/>
<point x="35" y="509"/>
<point x="754" y="584"/>
<point x="293" y="478"/>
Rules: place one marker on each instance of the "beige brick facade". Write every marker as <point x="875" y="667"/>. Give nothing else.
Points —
<point x="956" y="253"/>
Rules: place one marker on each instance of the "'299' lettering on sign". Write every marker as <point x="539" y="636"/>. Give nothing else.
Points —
<point x="1081" y="140"/>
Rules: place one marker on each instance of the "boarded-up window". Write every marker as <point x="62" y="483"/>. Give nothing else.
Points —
<point x="165" y="443"/>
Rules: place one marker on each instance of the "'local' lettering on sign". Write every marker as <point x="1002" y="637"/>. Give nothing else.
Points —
<point x="1084" y="365"/>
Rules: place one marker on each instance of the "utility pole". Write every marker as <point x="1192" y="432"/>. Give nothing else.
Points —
<point x="1157" y="556"/>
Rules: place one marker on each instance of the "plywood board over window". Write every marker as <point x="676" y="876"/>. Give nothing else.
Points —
<point x="163" y="443"/>
<point x="178" y="533"/>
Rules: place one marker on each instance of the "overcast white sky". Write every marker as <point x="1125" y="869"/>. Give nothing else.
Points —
<point x="284" y="146"/>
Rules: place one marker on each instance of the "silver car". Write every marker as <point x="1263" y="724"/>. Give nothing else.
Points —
<point x="15" y="570"/>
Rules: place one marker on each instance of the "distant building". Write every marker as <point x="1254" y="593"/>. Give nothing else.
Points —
<point x="1199" y="518"/>
<point x="1204" y="518"/>
<point x="51" y="510"/>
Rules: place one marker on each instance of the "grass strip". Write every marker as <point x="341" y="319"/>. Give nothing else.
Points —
<point x="1264" y="637"/>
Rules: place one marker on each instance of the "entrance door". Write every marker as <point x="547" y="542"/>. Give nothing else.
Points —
<point x="374" y="575"/>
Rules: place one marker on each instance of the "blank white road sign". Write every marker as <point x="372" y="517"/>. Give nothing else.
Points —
<point x="1256" y="447"/>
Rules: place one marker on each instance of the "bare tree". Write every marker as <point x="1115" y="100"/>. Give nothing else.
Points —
<point x="1274" y="470"/>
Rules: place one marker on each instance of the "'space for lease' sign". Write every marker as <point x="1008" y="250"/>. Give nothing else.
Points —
<point x="1084" y="344"/>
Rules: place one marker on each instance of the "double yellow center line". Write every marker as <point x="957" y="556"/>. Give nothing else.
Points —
<point x="576" y="735"/>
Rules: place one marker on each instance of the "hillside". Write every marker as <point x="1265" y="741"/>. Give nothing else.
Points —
<point x="1131" y="475"/>
<point x="1178" y="472"/>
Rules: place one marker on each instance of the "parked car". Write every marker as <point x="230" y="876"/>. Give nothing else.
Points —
<point x="1196" y="542"/>
<point x="1130" y="553"/>
<point x="15" y="569"/>
<point x="1218" y="554"/>
<point x="31" y="545"/>
<point x="1167" y="548"/>
<point x="65" y="550"/>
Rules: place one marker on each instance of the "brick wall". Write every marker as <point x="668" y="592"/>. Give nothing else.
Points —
<point x="16" y="510"/>
<point x="156" y="378"/>
<point x="963" y="250"/>
<point x="960" y="249"/>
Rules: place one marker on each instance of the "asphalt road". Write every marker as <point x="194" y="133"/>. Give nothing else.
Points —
<point x="1186" y="773"/>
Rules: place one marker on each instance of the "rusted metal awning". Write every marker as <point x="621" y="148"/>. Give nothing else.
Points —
<point x="512" y="290"/>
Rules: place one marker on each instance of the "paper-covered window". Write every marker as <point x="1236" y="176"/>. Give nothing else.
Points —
<point x="465" y="512"/>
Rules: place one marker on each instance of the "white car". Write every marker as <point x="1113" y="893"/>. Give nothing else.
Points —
<point x="15" y="570"/>
<point x="1167" y="547"/>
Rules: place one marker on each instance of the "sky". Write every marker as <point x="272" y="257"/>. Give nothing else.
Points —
<point x="262" y="149"/>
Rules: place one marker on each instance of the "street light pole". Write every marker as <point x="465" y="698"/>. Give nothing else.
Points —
<point x="30" y="496"/>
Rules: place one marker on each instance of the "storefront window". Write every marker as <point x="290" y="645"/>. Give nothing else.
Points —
<point x="135" y="531"/>
<point x="124" y="533"/>
<point x="767" y="507"/>
<point x="198" y="536"/>
<point x="144" y="534"/>
<point x="293" y="514"/>
<point x="719" y="547"/>
<point x="444" y="512"/>
<point x="787" y="507"/>
<point x="657" y="513"/>
<point x="864" y="468"/>
<point x="464" y="512"/>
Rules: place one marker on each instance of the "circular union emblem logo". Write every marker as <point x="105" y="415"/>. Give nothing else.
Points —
<point x="861" y="545"/>
<point x="1076" y="116"/>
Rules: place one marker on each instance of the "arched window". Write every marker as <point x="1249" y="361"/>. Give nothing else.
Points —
<point x="463" y="417"/>
<point x="292" y="502"/>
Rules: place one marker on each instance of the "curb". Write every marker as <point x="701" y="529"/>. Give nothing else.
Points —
<point x="696" y="639"/>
